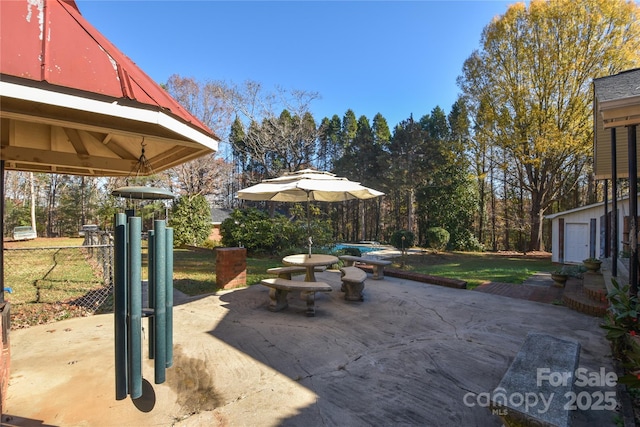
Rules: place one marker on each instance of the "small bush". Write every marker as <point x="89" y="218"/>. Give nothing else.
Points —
<point x="468" y="243"/>
<point x="403" y="244"/>
<point x="437" y="238"/>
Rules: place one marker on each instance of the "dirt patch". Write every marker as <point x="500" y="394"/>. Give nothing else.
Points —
<point x="27" y="315"/>
<point x="192" y="383"/>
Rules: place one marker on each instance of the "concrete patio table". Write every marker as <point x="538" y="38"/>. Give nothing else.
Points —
<point x="310" y="263"/>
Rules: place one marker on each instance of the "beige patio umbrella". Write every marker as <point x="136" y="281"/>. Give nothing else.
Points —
<point x="305" y="186"/>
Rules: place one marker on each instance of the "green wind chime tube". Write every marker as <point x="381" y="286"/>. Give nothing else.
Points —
<point x="120" y="304"/>
<point x="151" y="293"/>
<point x="169" y="296"/>
<point x="160" y="273"/>
<point x="135" y="307"/>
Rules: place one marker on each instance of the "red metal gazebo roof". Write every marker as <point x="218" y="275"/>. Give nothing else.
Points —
<point x="71" y="102"/>
<point x="50" y="41"/>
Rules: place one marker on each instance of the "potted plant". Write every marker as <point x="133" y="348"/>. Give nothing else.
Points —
<point x="560" y="277"/>
<point x="592" y="264"/>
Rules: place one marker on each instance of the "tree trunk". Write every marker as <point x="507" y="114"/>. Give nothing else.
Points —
<point x="507" y="243"/>
<point x="522" y="230"/>
<point x="481" y="213"/>
<point x="83" y="214"/>
<point x="482" y="190"/>
<point x="536" y="216"/>
<point x="410" y="213"/>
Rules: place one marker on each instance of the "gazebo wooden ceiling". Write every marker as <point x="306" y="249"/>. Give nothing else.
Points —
<point x="71" y="102"/>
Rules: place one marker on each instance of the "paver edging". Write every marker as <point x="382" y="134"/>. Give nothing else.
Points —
<point x="423" y="278"/>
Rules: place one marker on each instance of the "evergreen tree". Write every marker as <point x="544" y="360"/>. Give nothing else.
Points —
<point x="191" y="220"/>
<point x="402" y="172"/>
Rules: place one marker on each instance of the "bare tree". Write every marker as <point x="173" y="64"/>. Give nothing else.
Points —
<point x="203" y="176"/>
<point x="210" y="101"/>
<point x="280" y="130"/>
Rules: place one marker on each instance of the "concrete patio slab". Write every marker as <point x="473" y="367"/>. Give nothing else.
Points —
<point x="410" y="354"/>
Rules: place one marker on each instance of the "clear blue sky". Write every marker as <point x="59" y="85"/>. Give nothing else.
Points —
<point x="395" y="58"/>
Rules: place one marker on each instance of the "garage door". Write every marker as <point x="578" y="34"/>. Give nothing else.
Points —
<point x="576" y="242"/>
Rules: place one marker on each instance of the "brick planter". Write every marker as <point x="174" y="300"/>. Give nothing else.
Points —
<point x="231" y="268"/>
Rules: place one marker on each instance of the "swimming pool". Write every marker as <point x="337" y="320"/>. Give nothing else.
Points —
<point x="363" y="248"/>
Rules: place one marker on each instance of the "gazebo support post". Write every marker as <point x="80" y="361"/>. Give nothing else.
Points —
<point x="607" y="224"/>
<point x="2" y="230"/>
<point x="633" y="210"/>
<point x="614" y="205"/>
<point x="5" y="310"/>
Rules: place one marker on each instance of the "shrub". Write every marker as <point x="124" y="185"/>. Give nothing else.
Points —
<point x="191" y="220"/>
<point x="257" y="232"/>
<point x="403" y="244"/>
<point x="437" y="238"/>
<point x="249" y="228"/>
<point x="468" y="243"/>
<point x="622" y="328"/>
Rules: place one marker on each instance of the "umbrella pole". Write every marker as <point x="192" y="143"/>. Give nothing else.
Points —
<point x="309" y="225"/>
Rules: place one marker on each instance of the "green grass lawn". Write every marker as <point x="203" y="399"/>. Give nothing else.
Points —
<point x="476" y="268"/>
<point x="194" y="271"/>
<point x="45" y="282"/>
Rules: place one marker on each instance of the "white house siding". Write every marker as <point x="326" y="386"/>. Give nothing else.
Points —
<point x="578" y="221"/>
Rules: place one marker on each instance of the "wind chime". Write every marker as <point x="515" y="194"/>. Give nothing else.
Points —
<point x="128" y="301"/>
<point x="135" y="195"/>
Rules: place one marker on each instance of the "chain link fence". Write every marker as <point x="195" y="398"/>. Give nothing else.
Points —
<point x="74" y="276"/>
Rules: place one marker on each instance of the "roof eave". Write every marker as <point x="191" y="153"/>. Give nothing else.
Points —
<point x="620" y="112"/>
<point x="115" y="109"/>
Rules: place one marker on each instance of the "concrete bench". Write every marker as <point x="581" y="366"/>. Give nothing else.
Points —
<point x="534" y="389"/>
<point x="287" y="271"/>
<point x="280" y="288"/>
<point x="352" y="283"/>
<point x="377" y="264"/>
